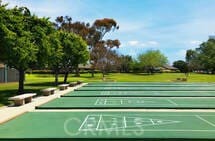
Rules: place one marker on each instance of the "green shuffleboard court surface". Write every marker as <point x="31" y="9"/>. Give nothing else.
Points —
<point x="129" y="103"/>
<point x="113" y="84"/>
<point x="149" y="88"/>
<point x="120" y="84"/>
<point x="110" y="126"/>
<point x="141" y="93"/>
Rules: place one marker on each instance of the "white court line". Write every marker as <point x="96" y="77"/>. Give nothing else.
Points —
<point x="152" y="121"/>
<point x="208" y="122"/>
<point x="83" y="123"/>
<point x="105" y="102"/>
<point x="100" y="118"/>
<point x="124" y="120"/>
<point x="121" y="101"/>
<point x="172" y="102"/>
<point x="150" y="130"/>
<point x="97" y="101"/>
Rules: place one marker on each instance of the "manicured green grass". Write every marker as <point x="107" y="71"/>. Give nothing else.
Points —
<point x="36" y="82"/>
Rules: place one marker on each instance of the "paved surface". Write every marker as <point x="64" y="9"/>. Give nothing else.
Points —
<point x="110" y="125"/>
<point x="8" y="113"/>
<point x="129" y="102"/>
<point x="124" y="114"/>
<point x="140" y="94"/>
<point x="149" y="88"/>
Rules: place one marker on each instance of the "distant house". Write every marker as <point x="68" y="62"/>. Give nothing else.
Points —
<point x="8" y="74"/>
<point x="84" y="67"/>
<point x="168" y="68"/>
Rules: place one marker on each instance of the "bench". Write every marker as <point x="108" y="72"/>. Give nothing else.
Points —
<point x="79" y="82"/>
<point x="22" y="99"/>
<point x="48" y="91"/>
<point x="181" y="79"/>
<point x="63" y="86"/>
<point x="72" y="84"/>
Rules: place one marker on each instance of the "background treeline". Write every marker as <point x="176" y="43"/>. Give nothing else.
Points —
<point x="201" y="60"/>
<point x="30" y="42"/>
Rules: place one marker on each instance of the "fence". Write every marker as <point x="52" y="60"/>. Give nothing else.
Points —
<point x="8" y="75"/>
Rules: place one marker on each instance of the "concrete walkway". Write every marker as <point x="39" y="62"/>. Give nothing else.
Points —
<point x="8" y="113"/>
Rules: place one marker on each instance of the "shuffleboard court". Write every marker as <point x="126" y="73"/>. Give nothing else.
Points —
<point x="116" y="84"/>
<point x="129" y="103"/>
<point x="110" y="125"/>
<point x="152" y="85"/>
<point x="140" y="93"/>
<point x="191" y="88"/>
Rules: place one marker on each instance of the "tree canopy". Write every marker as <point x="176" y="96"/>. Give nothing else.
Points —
<point x="24" y="39"/>
<point x="28" y="41"/>
<point x="151" y="59"/>
<point x="181" y="65"/>
<point x="203" y="57"/>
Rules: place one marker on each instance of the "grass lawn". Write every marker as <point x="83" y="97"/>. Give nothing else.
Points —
<point x="36" y="82"/>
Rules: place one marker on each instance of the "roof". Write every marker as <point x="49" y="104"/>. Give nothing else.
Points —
<point x="87" y="66"/>
<point x="170" y="67"/>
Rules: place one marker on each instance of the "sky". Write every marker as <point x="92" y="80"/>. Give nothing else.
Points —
<point x="171" y="26"/>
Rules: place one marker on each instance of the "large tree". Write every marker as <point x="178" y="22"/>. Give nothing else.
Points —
<point x="56" y="55"/>
<point x="181" y="65"/>
<point x="192" y="60"/>
<point x="23" y="40"/>
<point x="152" y="59"/>
<point x="126" y="63"/>
<point x="74" y="52"/>
<point x="95" y="39"/>
<point x="206" y="55"/>
<point x="79" y="28"/>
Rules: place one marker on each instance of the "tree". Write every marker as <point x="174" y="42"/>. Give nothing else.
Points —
<point x="95" y="39"/>
<point x="23" y="39"/>
<point x="56" y="56"/>
<point x="206" y="54"/>
<point x="192" y="60"/>
<point x="181" y="65"/>
<point x="125" y="63"/>
<point x="74" y="52"/>
<point x="152" y="59"/>
<point x="79" y="28"/>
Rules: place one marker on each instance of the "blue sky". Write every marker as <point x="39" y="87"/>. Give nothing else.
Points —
<point x="172" y="26"/>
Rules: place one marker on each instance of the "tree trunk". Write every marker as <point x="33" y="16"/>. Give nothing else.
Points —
<point x="103" y="75"/>
<point x="77" y="72"/>
<point x="56" y="76"/>
<point x="65" y="77"/>
<point x="92" y="72"/>
<point x="21" y="81"/>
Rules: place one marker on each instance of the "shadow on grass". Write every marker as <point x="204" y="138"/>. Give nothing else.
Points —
<point x="41" y="84"/>
<point x="146" y="74"/>
<point x="5" y="94"/>
<point x="29" y="88"/>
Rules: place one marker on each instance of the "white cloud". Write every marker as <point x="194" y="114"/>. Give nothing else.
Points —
<point x="133" y="43"/>
<point x="153" y="43"/>
<point x="146" y="44"/>
<point x="195" y="42"/>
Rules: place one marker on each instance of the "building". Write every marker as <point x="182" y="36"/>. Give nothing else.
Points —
<point x="168" y="68"/>
<point x="8" y="74"/>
